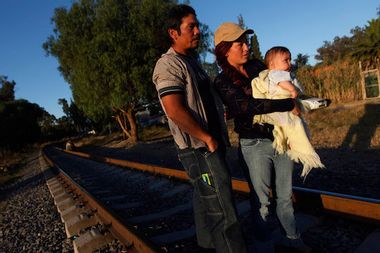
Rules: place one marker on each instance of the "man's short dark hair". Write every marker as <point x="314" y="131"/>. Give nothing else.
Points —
<point x="175" y="15"/>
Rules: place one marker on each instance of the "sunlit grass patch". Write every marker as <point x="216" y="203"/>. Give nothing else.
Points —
<point x="352" y="125"/>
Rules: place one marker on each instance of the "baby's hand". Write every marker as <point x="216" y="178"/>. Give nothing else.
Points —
<point x="294" y="93"/>
<point x="296" y="110"/>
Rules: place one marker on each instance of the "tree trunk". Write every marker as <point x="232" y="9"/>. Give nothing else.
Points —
<point x="132" y="123"/>
<point x="125" y="119"/>
<point x="122" y="124"/>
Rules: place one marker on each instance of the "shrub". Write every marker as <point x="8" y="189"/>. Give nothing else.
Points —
<point x="339" y="82"/>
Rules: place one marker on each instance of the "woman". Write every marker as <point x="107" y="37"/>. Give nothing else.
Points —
<point x="255" y="140"/>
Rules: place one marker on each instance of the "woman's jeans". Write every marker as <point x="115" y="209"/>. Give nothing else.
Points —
<point x="215" y="215"/>
<point x="261" y="160"/>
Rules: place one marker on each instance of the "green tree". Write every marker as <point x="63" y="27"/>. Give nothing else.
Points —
<point x="48" y="125"/>
<point x="65" y="106"/>
<point x="331" y="52"/>
<point x="205" y="44"/>
<point x="254" y="49"/>
<point x="106" y="51"/>
<point x="241" y="22"/>
<point x="367" y="49"/>
<point x="22" y="122"/>
<point x="19" y="123"/>
<point x="363" y="45"/>
<point x="75" y="118"/>
<point x="254" y="46"/>
<point x="300" y="61"/>
<point x="7" y="89"/>
<point x="211" y="69"/>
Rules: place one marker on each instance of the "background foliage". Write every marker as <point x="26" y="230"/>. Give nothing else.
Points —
<point x="337" y="74"/>
<point x="338" y="82"/>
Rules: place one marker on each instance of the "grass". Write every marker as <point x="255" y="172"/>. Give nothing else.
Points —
<point x="11" y="165"/>
<point x="154" y="132"/>
<point x="354" y="125"/>
<point x="98" y="140"/>
<point x="116" y="140"/>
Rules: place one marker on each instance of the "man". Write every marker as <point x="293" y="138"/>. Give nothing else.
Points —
<point x="197" y="124"/>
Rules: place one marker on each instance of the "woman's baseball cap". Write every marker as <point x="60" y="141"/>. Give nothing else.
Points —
<point x="229" y="31"/>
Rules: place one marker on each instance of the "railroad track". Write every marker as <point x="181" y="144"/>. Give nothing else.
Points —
<point x="132" y="207"/>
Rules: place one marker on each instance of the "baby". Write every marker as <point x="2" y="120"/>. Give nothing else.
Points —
<point x="290" y="132"/>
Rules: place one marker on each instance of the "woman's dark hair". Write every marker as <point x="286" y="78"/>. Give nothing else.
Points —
<point x="220" y="52"/>
<point x="272" y="52"/>
<point x="175" y="15"/>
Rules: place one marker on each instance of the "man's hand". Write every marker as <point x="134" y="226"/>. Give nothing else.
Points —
<point x="212" y="145"/>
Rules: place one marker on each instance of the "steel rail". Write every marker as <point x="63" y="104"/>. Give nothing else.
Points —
<point x="134" y="242"/>
<point x="353" y="206"/>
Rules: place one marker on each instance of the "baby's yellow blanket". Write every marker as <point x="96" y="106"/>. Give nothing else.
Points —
<point x="291" y="137"/>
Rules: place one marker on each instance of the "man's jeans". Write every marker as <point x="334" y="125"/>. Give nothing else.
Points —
<point x="261" y="159"/>
<point x="215" y="215"/>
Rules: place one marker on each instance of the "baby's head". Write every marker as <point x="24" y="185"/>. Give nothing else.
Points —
<point x="278" y="58"/>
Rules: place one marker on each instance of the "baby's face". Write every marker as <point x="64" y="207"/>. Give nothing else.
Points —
<point x="281" y="61"/>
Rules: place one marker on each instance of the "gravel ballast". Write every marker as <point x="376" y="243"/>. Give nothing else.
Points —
<point x="29" y="219"/>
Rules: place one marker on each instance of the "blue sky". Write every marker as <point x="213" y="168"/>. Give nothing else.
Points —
<point x="302" y="26"/>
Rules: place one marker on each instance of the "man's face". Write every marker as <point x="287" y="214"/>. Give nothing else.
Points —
<point x="190" y="34"/>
